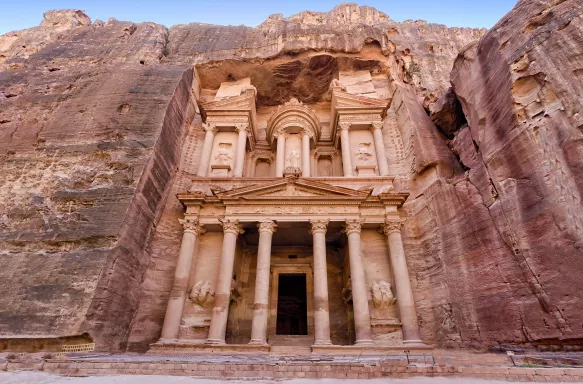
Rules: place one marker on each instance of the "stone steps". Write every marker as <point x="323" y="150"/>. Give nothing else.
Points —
<point x="288" y="370"/>
<point x="291" y="350"/>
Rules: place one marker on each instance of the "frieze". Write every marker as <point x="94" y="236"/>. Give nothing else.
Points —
<point x="291" y="210"/>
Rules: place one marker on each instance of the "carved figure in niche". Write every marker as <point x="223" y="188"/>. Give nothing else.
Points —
<point x="293" y="158"/>
<point x="224" y="154"/>
<point x="347" y="292"/>
<point x="382" y="296"/>
<point x="203" y="294"/>
<point x="325" y="167"/>
<point x="235" y="291"/>
<point x="363" y="152"/>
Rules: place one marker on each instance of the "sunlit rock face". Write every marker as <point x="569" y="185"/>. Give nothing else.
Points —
<point x="103" y="123"/>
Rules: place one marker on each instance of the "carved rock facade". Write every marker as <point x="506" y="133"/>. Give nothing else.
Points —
<point x="332" y="143"/>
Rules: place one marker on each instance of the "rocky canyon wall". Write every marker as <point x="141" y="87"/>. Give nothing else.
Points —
<point x="99" y="129"/>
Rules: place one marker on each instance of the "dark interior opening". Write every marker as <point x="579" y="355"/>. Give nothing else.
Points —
<point x="292" y="305"/>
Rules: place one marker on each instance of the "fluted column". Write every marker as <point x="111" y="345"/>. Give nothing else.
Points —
<point x="280" y="155"/>
<point x="345" y="145"/>
<point x="379" y="144"/>
<point x="392" y="229"/>
<point x="218" y="328"/>
<point x="241" y="144"/>
<point x="306" y="155"/>
<point x="359" y="291"/>
<point x="321" y="307"/>
<point x="261" y="299"/>
<point x="207" y="149"/>
<point x="192" y="229"/>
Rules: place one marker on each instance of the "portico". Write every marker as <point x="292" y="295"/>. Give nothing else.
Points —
<point x="282" y="232"/>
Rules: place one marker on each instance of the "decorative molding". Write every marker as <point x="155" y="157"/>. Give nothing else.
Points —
<point x="377" y="125"/>
<point x="318" y="226"/>
<point x="192" y="226"/>
<point x="231" y="226"/>
<point x="242" y="127"/>
<point x="391" y="226"/>
<point x="267" y="226"/>
<point x="344" y="126"/>
<point x="353" y="226"/>
<point x="210" y="128"/>
<point x="293" y="114"/>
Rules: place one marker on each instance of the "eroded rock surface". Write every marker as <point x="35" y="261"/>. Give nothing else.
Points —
<point x="505" y="237"/>
<point x="98" y="131"/>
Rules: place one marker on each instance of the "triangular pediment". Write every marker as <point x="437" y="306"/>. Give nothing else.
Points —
<point x="243" y="101"/>
<point x="291" y="188"/>
<point x="345" y="99"/>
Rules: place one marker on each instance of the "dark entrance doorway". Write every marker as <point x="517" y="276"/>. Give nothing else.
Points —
<point x="292" y="305"/>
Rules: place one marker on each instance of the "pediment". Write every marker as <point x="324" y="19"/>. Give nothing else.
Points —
<point x="345" y="99"/>
<point x="292" y="188"/>
<point x="244" y="101"/>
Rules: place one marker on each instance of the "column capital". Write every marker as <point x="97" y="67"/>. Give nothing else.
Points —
<point x="377" y="125"/>
<point x="267" y="226"/>
<point x="232" y="226"/>
<point x="319" y="226"/>
<point x="208" y="127"/>
<point x="192" y="226"/>
<point x="353" y="226"/>
<point x="343" y="125"/>
<point x="241" y="127"/>
<point x="305" y="132"/>
<point x="392" y="226"/>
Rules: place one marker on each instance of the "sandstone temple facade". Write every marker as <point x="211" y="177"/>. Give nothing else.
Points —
<point x="326" y="183"/>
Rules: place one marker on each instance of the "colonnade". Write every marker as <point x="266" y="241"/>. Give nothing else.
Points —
<point x="232" y="229"/>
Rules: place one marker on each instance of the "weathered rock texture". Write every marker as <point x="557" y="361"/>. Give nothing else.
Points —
<point x="98" y="131"/>
<point x="497" y="249"/>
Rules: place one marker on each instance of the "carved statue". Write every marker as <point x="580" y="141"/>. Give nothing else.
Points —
<point x="224" y="154"/>
<point x="382" y="296"/>
<point x="203" y="294"/>
<point x="363" y="152"/>
<point x="347" y="292"/>
<point x="294" y="158"/>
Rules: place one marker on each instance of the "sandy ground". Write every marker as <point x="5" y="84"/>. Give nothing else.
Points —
<point x="45" y="378"/>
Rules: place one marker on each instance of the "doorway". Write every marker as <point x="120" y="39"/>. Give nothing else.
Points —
<point x="292" y="305"/>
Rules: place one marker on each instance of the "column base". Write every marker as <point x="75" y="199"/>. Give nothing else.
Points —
<point x="323" y="342"/>
<point x="215" y="342"/>
<point x="414" y="343"/>
<point x="364" y="342"/>
<point x="258" y="342"/>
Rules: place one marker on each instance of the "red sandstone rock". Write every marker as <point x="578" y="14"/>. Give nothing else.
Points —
<point x="98" y="131"/>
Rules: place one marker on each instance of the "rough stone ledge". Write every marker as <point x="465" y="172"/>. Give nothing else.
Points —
<point x="287" y="370"/>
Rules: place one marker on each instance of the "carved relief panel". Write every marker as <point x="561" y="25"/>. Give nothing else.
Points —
<point x="363" y="154"/>
<point x="222" y="158"/>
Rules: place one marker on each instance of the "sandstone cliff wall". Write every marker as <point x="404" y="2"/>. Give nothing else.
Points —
<point x="497" y="249"/>
<point x="98" y="128"/>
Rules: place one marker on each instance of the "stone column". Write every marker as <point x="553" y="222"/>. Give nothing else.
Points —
<point x="392" y="229"/>
<point x="379" y="144"/>
<point x="345" y="144"/>
<point x="280" y="155"/>
<point x="173" y="317"/>
<point x="359" y="291"/>
<point x="241" y="144"/>
<point x="321" y="309"/>
<point x="218" y="328"/>
<point x="261" y="299"/>
<point x="207" y="149"/>
<point x="306" y="155"/>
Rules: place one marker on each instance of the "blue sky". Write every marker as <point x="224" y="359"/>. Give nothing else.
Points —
<point x="20" y="14"/>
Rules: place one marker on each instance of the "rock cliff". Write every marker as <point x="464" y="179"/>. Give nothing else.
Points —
<point x="99" y="128"/>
